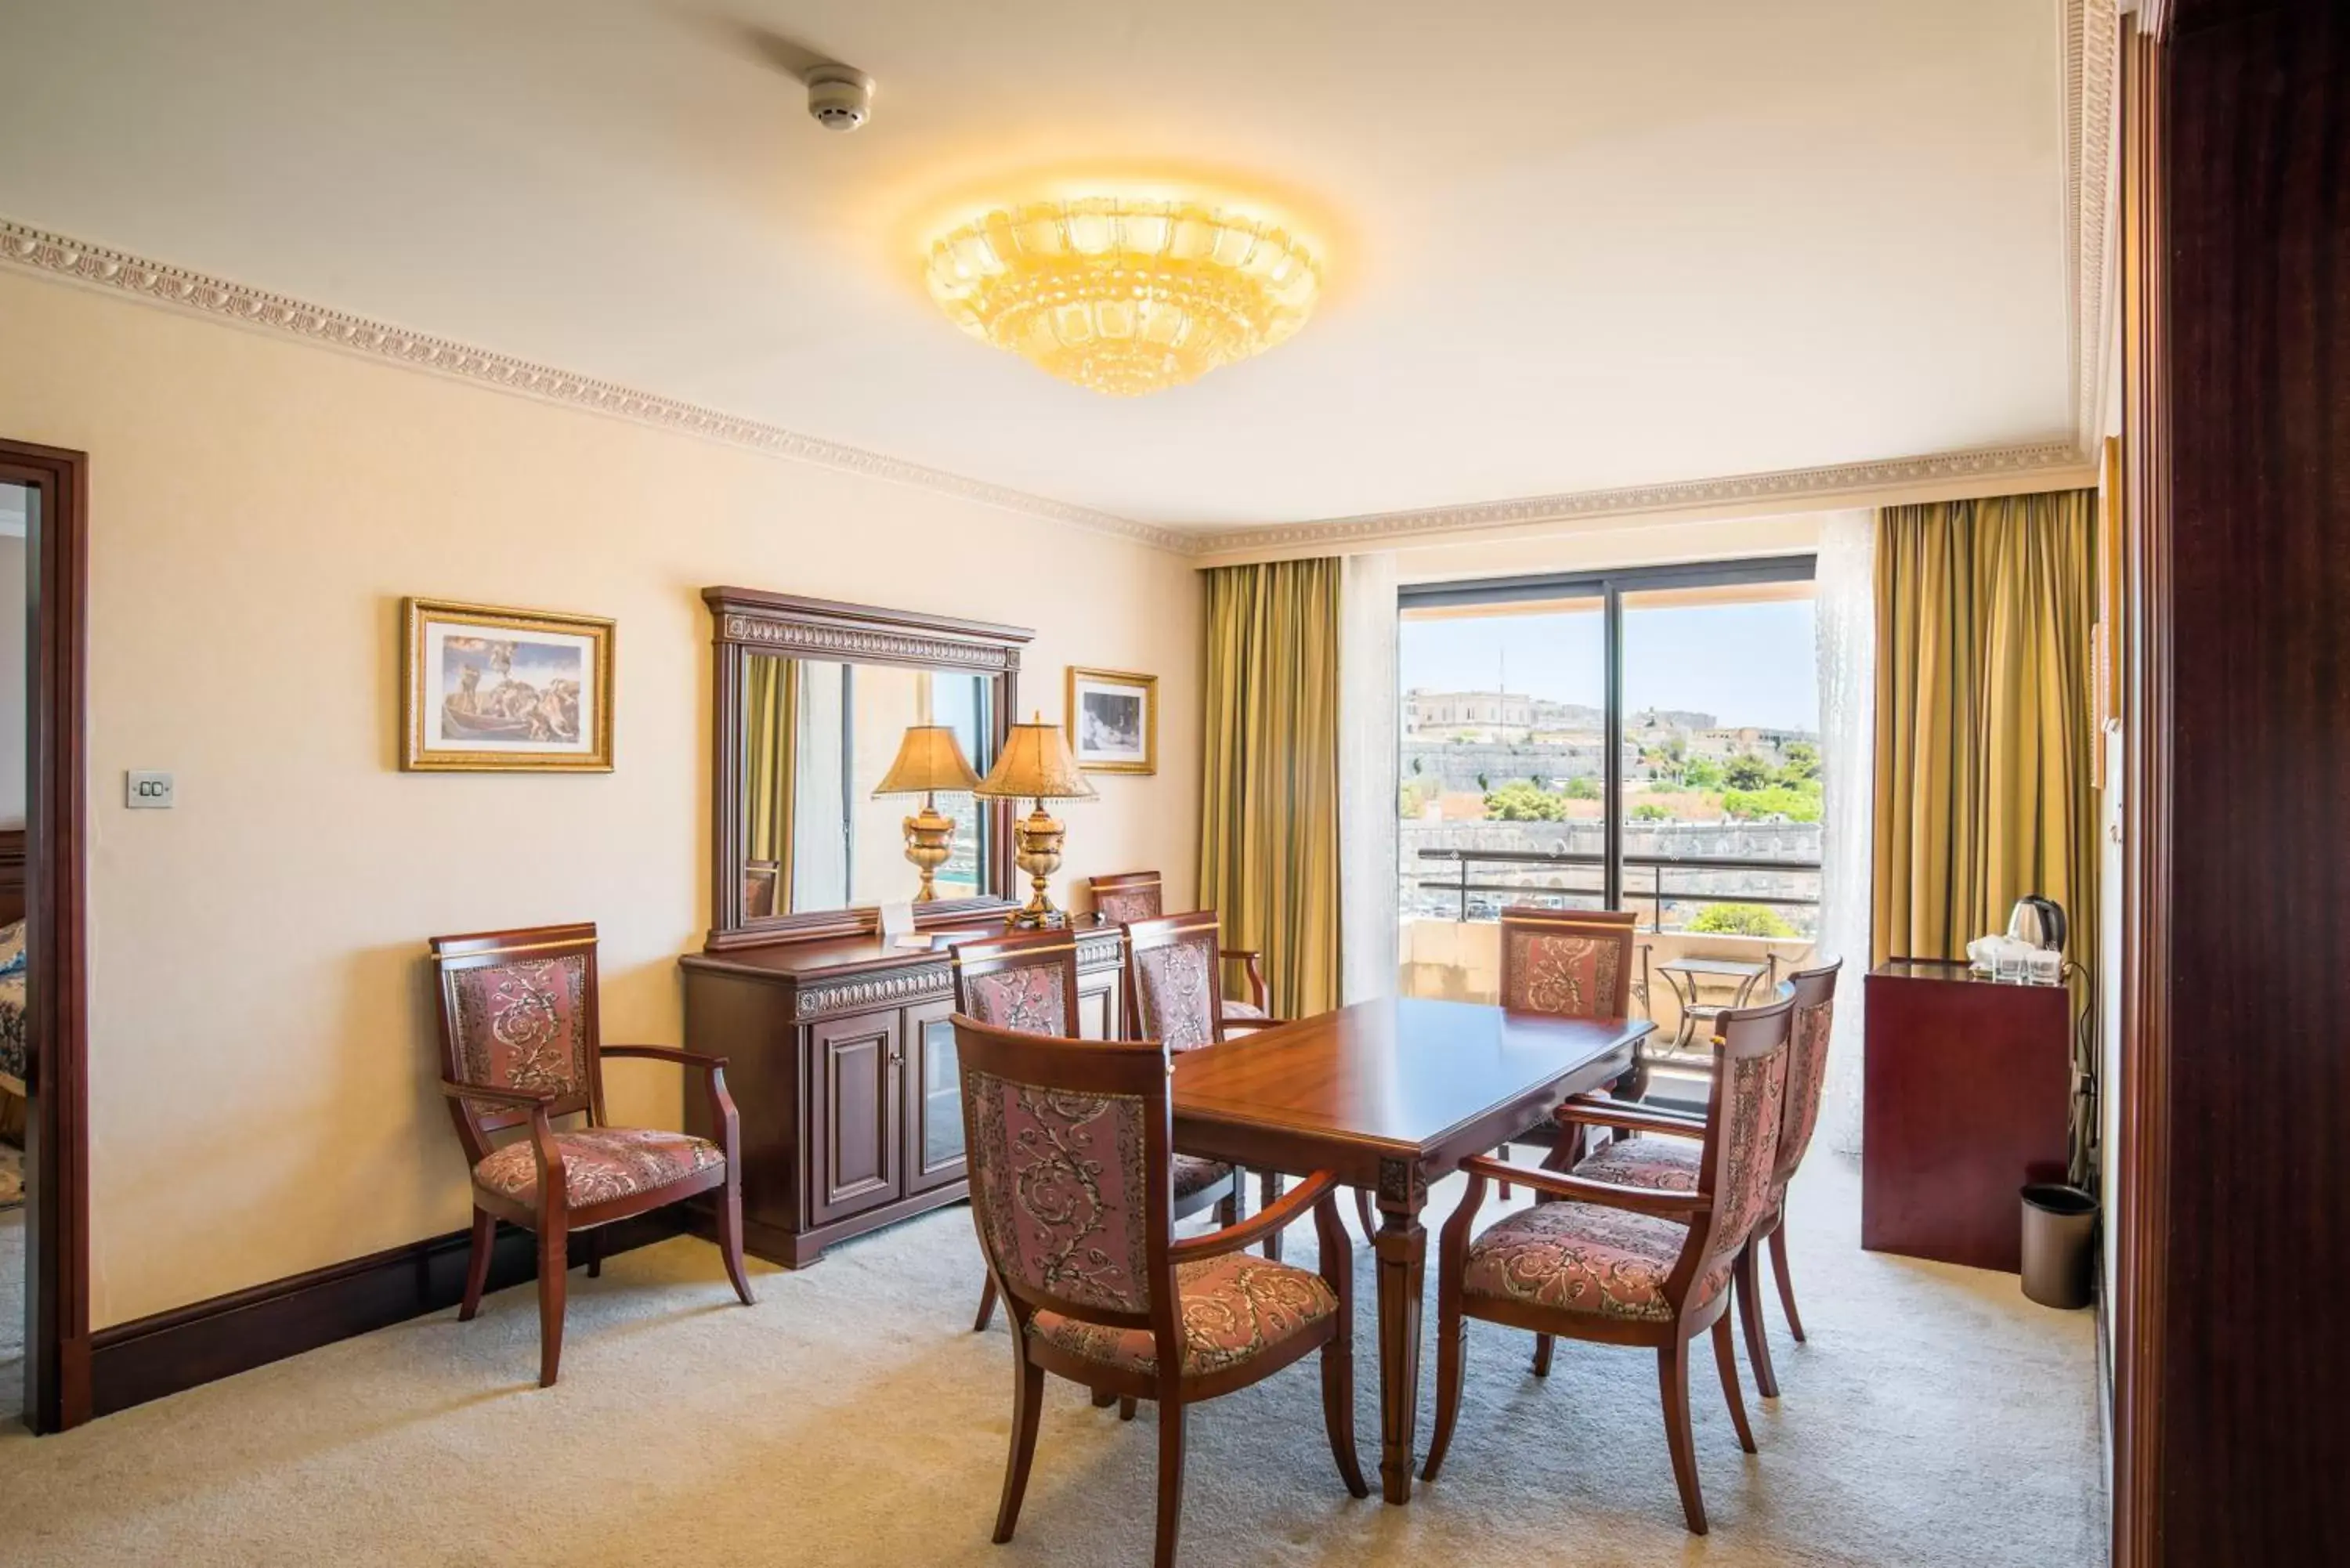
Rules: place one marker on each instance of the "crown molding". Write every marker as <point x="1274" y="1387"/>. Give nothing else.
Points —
<point x="2092" y="72"/>
<point x="58" y="256"/>
<point x="2037" y="460"/>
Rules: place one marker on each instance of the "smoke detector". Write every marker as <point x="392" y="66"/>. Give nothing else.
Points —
<point x="841" y="98"/>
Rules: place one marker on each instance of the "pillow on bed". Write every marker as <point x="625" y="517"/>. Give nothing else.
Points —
<point x="12" y="948"/>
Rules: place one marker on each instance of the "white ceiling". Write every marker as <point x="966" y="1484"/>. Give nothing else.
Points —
<point x="1573" y="244"/>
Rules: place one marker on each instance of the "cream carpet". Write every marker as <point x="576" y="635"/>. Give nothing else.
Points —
<point x="1936" y="1417"/>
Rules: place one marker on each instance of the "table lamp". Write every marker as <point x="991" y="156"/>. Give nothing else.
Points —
<point x="928" y="759"/>
<point x="1036" y="764"/>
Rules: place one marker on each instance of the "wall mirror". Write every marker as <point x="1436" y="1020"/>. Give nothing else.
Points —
<point x="836" y="724"/>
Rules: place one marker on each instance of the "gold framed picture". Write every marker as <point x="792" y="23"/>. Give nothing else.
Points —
<point x="485" y="690"/>
<point x="1113" y="721"/>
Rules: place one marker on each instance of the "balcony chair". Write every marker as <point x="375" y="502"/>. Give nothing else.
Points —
<point x="1171" y="968"/>
<point x="1674" y="1163"/>
<point x="1627" y="1265"/>
<point x="1027" y="982"/>
<point x="1132" y="895"/>
<point x="520" y="1046"/>
<point x="1072" y="1182"/>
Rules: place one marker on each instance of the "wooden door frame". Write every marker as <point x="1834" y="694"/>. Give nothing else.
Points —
<point x="57" y="1144"/>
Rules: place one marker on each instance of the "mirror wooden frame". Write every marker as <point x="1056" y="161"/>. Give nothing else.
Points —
<point x="748" y="621"/>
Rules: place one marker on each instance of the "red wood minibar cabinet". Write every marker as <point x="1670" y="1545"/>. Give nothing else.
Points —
<point x="1965" y="1099"/>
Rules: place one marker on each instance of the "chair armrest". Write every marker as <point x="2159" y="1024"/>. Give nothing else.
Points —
<point x="1692" y="1119"/>
<point x="538" y="1098"/>
<point x="1583" y="1189"/>
<point x="1232" y="1023"/>
<point x="1623" y="1114"/>
<point x="1247" y="958"/>
<point x="1233" y="1238"/>
<point x="667" y="1053"/>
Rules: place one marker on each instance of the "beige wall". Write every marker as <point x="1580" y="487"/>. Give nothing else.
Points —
<point x="261" y="1064"/>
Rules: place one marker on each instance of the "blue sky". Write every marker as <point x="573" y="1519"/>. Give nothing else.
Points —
<point x="1746" y="664"/>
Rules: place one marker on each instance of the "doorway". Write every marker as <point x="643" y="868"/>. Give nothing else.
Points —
<point x="47" y="488"/>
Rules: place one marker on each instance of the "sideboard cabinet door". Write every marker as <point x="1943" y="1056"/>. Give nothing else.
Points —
<point x="855" y="1066"/>
<point x="934" y="1136"/>
<point x="1098" y="1009"/>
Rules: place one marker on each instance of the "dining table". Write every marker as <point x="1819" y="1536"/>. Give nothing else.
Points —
<point x="1390" y="1095"/>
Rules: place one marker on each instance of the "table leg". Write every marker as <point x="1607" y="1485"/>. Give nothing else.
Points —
<point x="1400" y="1249"/>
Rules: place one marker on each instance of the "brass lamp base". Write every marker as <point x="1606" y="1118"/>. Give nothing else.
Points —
<point x="1036" y="838"/>
<point x="929" y="840"/>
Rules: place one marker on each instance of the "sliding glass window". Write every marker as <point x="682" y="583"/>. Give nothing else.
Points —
<point x="1644" y="740"/>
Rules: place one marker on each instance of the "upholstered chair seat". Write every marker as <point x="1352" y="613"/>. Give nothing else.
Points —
<point x="1580" y="1257"/>
<point x="601" y="1164"/>
<point x="1242" y="1009"/>
<point x="1233" y="1308"/>
<point x="1194" y="1175"/>
<point x="1661" y="1164"/>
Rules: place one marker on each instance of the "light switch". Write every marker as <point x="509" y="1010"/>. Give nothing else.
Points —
<point x="146" y="791"/>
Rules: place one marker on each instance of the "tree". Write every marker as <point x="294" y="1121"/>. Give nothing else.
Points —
<point x="1741" y="921"/>
<point x="1801" y="762"/>
<point x="1521" y="801"/>
<point x="1776" y="800"/>
<point x="1745" y="772"/>
<point x="1581" y="786"/>
<point x="1703" y="774"/>
<point x="1649" y="811"/>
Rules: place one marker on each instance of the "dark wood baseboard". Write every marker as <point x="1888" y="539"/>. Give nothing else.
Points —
<point x="132" y="1363"/>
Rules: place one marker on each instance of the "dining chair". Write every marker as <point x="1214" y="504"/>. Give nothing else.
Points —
<point x="1613" y="1264"/>
<point x="1674" y="1164"/>
<point x="1567" y="963"/>
<point x="1027" y="982"/>
<point x="1130" y="896"/>
<point x="1072" y="1183"/>
<point x="1170" y="983"/>
<point x="520" y="1047"/>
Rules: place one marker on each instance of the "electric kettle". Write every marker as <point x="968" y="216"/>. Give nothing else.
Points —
<point x="2039" y="921"/>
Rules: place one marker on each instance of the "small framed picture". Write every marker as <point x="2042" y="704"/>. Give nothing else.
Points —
<point x="485" y="690"/>
<point x="1113" y="721"/>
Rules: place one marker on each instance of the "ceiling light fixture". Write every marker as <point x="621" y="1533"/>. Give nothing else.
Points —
<point x="1125" y="296"/>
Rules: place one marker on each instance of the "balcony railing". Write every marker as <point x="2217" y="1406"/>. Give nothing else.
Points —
<point x="1645" y="880"/>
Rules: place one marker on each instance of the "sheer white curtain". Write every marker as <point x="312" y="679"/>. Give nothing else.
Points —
<point x="1847" y="660"/>
<point x="1366" y="777"/>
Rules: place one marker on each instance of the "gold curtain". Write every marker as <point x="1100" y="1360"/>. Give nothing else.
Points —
<point x="771" y="711"/>
<point x="1983" y="719"/>
<point x="1269" y="792"/>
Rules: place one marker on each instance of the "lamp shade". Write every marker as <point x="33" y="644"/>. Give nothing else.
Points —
<point x="929" y="758"/>
<point x="1035" y="763"/>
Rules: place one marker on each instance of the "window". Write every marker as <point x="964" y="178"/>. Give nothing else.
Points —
<point x="1640" y="739"/>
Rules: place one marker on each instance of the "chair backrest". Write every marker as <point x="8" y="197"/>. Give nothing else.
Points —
<point x="1172" y="981"/>
<point x="1741" y="1138"/>
<point x="1072" y="1191"/>
<point x="1573" y="963"/>
<point x="1813" y="990"/>
<point x="760" y="879"/>
<point x="1027" y="983"/>
<point x="1128" y="896"/>
<point x="518" y="1011"/>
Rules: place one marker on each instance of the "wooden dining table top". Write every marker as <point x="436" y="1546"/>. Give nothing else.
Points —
<point x="1399" y="1077"/>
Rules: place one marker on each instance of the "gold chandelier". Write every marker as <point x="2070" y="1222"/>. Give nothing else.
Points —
<point x="1125" y="296"/>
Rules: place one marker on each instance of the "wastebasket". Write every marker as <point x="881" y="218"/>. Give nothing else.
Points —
<point x="2058" y="1222"/>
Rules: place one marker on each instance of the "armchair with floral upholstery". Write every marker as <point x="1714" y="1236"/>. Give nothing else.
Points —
<point x="1614" y="1264"/>
<point x="1132" y="895"/>
<point x="1072" y="1187"/>
<point x="520" y="1048"/>
<point x="1027" y="981"/>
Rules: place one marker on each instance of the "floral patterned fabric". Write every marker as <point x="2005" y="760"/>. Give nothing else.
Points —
<point x="1579" y="1257"/>
<point x="1755" y="1096"/>
<point x="1567" y="974"/>
<point x="599" y="1164"/>
<point x="1235" y="1307"/>
<point x="1193" y="1174"/>
<point x="1176" y="991"/>
<point x="1807" y="1071"/>
<point x="522" y="1025"/>
<point x="1118" y="905"/>
<point x="1242" y="1009"/>
<point x="1058" y="1188"/>
<point x="14" y="1050"/>
<point x="1660" y="1163"/>
<point x="1030" y="999"/>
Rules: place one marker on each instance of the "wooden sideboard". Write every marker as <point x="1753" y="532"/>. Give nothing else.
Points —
<point x="843" y="1068"/>
<point x="1968" y="1097"/>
